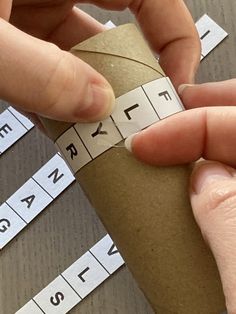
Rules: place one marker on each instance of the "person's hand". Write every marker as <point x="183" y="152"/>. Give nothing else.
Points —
<point x="208" y="132"/>
<point x="37" y="76"/>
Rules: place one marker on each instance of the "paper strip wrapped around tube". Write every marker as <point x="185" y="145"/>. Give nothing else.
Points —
<point x="145" y="209"/>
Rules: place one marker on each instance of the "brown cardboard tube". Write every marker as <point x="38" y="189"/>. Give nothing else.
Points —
<point x="146" y="209"/>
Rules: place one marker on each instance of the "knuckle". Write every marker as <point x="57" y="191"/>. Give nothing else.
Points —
<point x="221" y="197"/>
<point x="60" y="79"/>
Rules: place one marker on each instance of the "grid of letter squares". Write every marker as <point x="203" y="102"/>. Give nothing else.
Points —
<point x="134" y="111"/>
<point x="77" y="281"/>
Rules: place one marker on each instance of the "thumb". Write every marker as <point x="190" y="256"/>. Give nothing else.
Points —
<point x="39" y="77"/>
<point x="213" y="198"/>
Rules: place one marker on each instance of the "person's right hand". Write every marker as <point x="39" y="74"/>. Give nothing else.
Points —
<point x="208" y="132"/>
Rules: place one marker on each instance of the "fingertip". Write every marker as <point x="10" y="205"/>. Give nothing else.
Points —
<point x="192" y="95"/>
<point x="98" y="104"/>
<point x="183" y="87"/>
<point x="129" y="142"/>
<point x="206" y="172"/>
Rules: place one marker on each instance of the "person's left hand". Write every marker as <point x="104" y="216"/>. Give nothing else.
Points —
<point x="40" y="78"/>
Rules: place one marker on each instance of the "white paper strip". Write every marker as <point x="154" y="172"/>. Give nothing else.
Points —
<point x="11" y="130"/>
<point x="33" y="197"/>
<point x="29" y="200"/>
<point x="10" y="224"/>
<point x="75" y="150"/>
<point x="110" y="25"/>
<point x="107" y="254"/>
<point x="163" y="98"/>
<point x="57" y="298"/>
<point x="30" y="308"/>
<point x="135" y="110"/>
<point x="91" y="132"/>
<point x="78" y="280"/>
<point x="23" y="119"/>
<point x="210" y="33"/>
<point x="54" y="177"/>
<point x="85" y="274"/>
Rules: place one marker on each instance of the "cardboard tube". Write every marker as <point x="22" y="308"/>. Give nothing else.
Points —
<point x="146" y="209"/>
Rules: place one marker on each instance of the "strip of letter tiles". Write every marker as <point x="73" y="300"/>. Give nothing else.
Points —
<point x="33" y="197"/>
<point x="134" y="111"/>
<point x="77" y="281"/>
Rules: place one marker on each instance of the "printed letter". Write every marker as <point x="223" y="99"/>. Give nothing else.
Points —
<point x="29" y="200"/>
<point x="58" y="298"/>
<point x="6" y="226"/>
<point x="5" y="128"/>
<point x="55" y="175"/>
<point x="73" y="150"/>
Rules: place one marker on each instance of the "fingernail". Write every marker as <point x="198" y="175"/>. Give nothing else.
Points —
<point x="182" y="87"/>
<point x="129" y="142"/>
<point x="100" y="103"/>
<point x="105" y="98"/>
<point x="206" y="173"/>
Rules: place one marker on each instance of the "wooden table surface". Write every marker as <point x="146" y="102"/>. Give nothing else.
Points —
<point x="69" y="226"/>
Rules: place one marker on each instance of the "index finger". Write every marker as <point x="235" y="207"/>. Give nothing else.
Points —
<point x="171" y="31"/>
<point x="208" y="132"/>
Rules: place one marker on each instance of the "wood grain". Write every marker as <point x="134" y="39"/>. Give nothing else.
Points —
<point x="69" y="226"/>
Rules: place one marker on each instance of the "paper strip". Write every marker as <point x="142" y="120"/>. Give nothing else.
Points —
<point x="133" y="106"/>
<point x="54" y="177"/>
<point x="13" y="126"/>
<point x="110" y="25"/>
<point x="23" y="119"/>
<point x="10" y="224"/>
<point x="107" y="254"/>
<point x="33" y="197"/>
<point x="57" y="298"/>
<point x="135" y="110"/>
<point x="29" y="200"/>
<point x="30" y="308"/>
<point x="77" y="281"/>
<point x="11" y="130"/>
<point x="210" y="33"/>
<point x="85" y="274"/>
